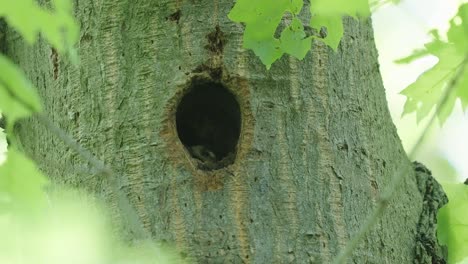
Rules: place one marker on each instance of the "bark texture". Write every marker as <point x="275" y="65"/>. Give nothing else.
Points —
<point x="315" y="149"/>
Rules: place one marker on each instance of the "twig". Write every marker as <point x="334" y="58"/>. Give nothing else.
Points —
<point x="69" y="141"/>
<point x="129" y="211"/>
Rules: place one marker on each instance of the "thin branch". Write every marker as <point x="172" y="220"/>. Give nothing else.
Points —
<point x="129" y="211"/>
<point x="387" y="195"/>
<point x="70" y="142"/>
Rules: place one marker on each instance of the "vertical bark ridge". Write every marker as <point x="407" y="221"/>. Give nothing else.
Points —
<point x="145" y="85"/>
<point x="288" y="192"/>
<point x="185" y="36"/>
<point x="312" y="120"/>
<point x="324" y="144"/>
<point x="311" y="180"/>
<point x="239" y="199"/>
<point x="325" y="252"/>
<point x="238" y="187"/>
<point x="135" y="170"/>
<point x="370" y="170"/>
<point x="294" y="85"/>
<point x="177" y="222"/>
<point x="110" y="47"/>
<point x="215" y="12"/>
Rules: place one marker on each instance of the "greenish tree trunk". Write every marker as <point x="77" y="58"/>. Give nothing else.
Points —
<point x="294" y="158"/>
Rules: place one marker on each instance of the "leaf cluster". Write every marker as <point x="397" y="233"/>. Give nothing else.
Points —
<point x="426" y="92"/>
<point x="262" y="18"/>
<point x="21" y="183"/>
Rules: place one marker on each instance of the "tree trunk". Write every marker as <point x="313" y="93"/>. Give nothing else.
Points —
<point x="231" y="162"/>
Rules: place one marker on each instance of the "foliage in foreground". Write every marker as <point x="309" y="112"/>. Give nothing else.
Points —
<point x="72" y="229"/>
<point x="261" y="20"/>
<point x="432" y="86"/>
<point x="452" y="222"/>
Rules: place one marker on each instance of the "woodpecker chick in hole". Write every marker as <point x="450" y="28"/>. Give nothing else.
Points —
<point x="206" y="157"/>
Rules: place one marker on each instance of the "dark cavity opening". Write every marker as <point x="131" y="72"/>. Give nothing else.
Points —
<point x="208" y="124"/>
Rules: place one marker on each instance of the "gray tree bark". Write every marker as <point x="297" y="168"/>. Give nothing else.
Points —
<point x="295" y="157"/>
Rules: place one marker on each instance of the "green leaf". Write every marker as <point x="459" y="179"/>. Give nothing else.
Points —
<point x="458" y="31"/>
<point x="462" y="91"/>
<point x="326" y="13"/>
<point x="417" y="54"/>
<point x="293" y="40"/>
<point x="340" y="7"/>
<point x="268" y="50"/>
<point x="334" y="27"/>
<point x="262" y="18"/>
<point x="3" y="145"/>
<point x="426" y="92"/>
<point x="21" y="184"/>
<point x="18" y="98"/>
<point x="59" y="27"/>
<point x="20" y="14"/>
<point x="452" y="222"/>
<point x="376" y="4"/>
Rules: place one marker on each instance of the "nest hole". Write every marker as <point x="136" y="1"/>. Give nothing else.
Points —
<point x="208" y="124"/>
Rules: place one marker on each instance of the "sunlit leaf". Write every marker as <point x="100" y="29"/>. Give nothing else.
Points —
<point x="452" y="222"/>
<point x="340" y="7"/>
<point x="21" y="184"/>
<point x="18" y="98"/>
<point x="417" y="54"/>
<point x="262" y="18"/>
<point x="3" y="146"/>
<point x="426" y="92"/>
<point x="57" y="26"/>
<point x="293" y="40"/>
<point x="326" y="13"/>
<point x="334" y="27"/>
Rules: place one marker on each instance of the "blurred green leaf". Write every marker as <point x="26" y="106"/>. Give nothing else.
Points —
<point x="266" y="48"/>
<point x="340" y="7"/>
<point x="417" y="54"/>
<point x="293" y="40"/>
<point x="426" y="92"/>
<point x="3" y="146"/>
<point x="376" y="4"/>
<point x="262" y="18"/>
<point x="334" y="27"/>
<point x="329" y="14"/>
<point x="18" y="98"/>
<point x="452" y="222"/>
<point x="21" y="185"/>
<point x="57" y="26"/>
